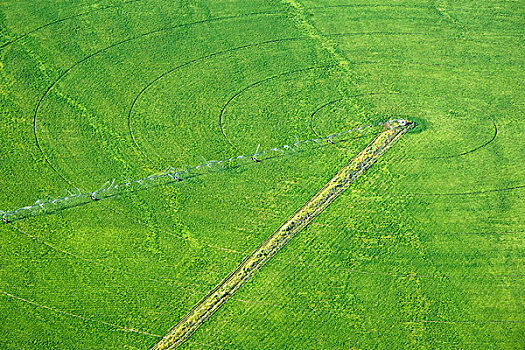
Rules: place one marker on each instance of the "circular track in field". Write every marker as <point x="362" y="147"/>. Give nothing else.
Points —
<point x="66" y="177"/>
<point x="199" y="59"/>
<point x="217" y="55"/>
<point x="486" y="125"/>
<point x="57" y="171"/>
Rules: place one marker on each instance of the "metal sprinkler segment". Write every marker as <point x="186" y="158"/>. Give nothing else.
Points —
<point x="110" y="189"/>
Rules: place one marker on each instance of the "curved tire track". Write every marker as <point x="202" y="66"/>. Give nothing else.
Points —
<point x="262" y="43"/>
<point x="476" y="148"/>
<point x="60" y="20"/>
<point x="202" y="58"/>
<point x="165" y="29"/>
<point x="63" y="178"/>
<point x="83" y="318"/>
<point x="102" y="265"/>
<point x="187" y="63"/>
<point x="461" y="193"/>
<point x="116" y="44"/>
<point x="238" y="93"/>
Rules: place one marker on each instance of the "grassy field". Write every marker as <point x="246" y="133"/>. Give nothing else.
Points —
<point x="427" y="250"/>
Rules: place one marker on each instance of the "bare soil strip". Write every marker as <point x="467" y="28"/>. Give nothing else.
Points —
<point x="294" y="224"/>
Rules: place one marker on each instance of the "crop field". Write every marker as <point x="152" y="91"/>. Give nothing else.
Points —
<point x="426" y="250"/>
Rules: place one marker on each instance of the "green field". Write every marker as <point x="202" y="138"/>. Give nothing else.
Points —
<point x="425" y="251"/>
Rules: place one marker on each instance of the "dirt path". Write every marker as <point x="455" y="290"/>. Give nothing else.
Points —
<point x="294" y="224"/>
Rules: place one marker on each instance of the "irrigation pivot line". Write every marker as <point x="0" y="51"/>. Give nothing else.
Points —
<point x="177" y="335"/>
<point x="172" y="175"/>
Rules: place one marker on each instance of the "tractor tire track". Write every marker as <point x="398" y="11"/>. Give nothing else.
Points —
<point x="202" y="58"/>
<point x="471" y="150"/>
<point x="98" y="52"/>
<point x="471" y="193"/>
<point x="262" y="43"/>
<point x="116" y="44"/>
<point x="102" y="265"/>
<point x="430" y="233"/>
<point x="78" y="63"/>
<point x="58" y="21"/>
<point x="106" y="7"/>
<point x="165" y="29"/>
<point x="221" y="115"/>
<point x="329" y="103"/>
<point x="83" y="318"/>
<point x="464" y="153"/>
<point x="240" y="92"/>
<point x="400" y="274"/>
<point x="63" y="178"/>
<point x="151" y="83"/>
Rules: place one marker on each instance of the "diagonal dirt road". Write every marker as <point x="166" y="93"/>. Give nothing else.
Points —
<point x="294" y="224"/>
